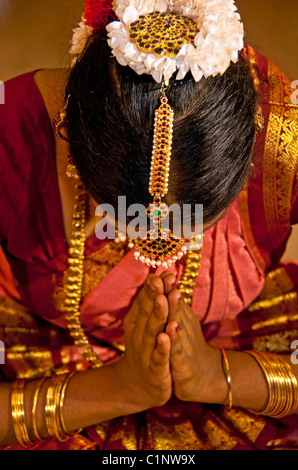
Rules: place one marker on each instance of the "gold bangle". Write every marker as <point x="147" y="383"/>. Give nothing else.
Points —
<point x="52" y="400"/>
<point x="292" y="387"/>
<point x="34" y="408"/>
<point x="272" y="386"/>
<point x="48" y="408"/>
<point x="226" y="369"/>
<point x="18" y="413"/>
<point x="54" y="407"/>
<point x="281" y="382"/>
<point x="271" y="379"/>
<point x="61" y="403"/>
<point x="277" y="407"/>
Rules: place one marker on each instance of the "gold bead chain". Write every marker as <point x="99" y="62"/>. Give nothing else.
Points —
<point x="191" y="271"/>
<point x="75" y="279"/>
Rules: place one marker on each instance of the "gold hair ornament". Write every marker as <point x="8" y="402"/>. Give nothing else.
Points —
<point x="259" y="118"/>
<point x="162" y="33"/>
<point x="59" y="123"/>
<point x="160" y="247"/>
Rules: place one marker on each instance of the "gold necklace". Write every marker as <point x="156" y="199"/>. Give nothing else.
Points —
<point x="74" y="282"/>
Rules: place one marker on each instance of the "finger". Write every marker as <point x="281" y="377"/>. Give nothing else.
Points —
<point x="164" y="274"/>
<point x="169" y="280"/>
<point x="178" y="327"/>
<point x="160" y="361"/>
<point x="144" y="303"/>
<point x="175" y="327"/>
<point x="191" y="323"/>
<point x="181" y="351"/>
<point x="174" y="334"/>
<point x="183" y="327"/>
<point x="156" y="322"/>
<point x="152" y="287"/>
<point x="175" y="305"/>
<point x="182" y="313"/>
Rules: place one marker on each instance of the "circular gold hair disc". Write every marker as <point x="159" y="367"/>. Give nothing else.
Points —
<point x="162" y="33"/>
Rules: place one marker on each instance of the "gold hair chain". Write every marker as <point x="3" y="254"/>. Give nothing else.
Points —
<point x="160" y="247"/>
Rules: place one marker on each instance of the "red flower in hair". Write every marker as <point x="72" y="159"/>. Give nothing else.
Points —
<point x="99" y="13"/>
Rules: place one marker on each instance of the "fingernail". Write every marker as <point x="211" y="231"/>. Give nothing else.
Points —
<point x="177" y="328"/>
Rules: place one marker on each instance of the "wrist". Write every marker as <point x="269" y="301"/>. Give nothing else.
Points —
<point x="121" y="390"/>
<point x="102" y="394"/>
<point x="219" y="390"/>
<point x="209" y="385"/>
<point x="129" y="397"/>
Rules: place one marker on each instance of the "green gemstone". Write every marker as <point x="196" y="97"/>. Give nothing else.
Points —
<point x="158" y="244"/>
<point x="157" y="213"/>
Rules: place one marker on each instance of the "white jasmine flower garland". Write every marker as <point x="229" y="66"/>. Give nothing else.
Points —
<point x="80" y="37"/>
<point x="217" y="43"/>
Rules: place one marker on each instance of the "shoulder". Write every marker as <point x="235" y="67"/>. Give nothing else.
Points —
<point x="273" y="186"/>
<point x="280" y="160"/>
<point x="278" y="98"/>
<point x="25" y="116"/>
<point x="51" y="84"/>
<point x="28" y="171"/>
<point x="276" y="87"/>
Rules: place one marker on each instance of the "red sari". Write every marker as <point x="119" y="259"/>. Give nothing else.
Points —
<point x="244" y="297"/>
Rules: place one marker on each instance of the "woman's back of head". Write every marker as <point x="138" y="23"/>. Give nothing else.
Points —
<point x="110" y="118"/>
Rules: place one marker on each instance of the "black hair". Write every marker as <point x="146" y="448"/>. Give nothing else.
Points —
<point x="110" y="118"/>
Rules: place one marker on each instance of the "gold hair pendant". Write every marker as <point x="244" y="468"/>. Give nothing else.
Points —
<point x="160" y="247"/>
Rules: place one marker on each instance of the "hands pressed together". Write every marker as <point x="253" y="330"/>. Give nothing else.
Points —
<point x="166" y="353"/>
